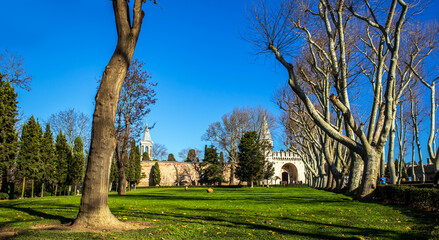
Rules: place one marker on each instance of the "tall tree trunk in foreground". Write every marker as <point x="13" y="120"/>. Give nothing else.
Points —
<point x="94" y="212"/>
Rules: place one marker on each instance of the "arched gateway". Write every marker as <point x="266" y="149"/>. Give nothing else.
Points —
<point x="288" y="167"/>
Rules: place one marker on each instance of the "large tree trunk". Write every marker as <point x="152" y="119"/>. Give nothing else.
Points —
<point x="390" y="155"/>
<point x="370" y="176"/>
<point x="22" y="189"/>
<point x="94" y="212"/>
<point x="354" y="173"/>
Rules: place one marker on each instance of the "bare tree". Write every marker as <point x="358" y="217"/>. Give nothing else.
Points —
<point x="226" y="134"/>
<point x="73" y="124"/>
<point x="274" y="29"/>
<point x="12" y="66"/>
<point x="159" y="151"/>
<point x="136" y="96"/>
<point x="94" y="212"/>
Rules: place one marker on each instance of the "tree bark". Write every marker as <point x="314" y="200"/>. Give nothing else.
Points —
<point x="370" y="176"/>
<point x="22" y="189"/>
<point x="94" y="212"/>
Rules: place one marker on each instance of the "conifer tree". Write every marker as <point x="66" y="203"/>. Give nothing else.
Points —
<point x="8" y="136"/>
<point x="250" y="158"/>
<point x="63" y="157"/>
<point x="191" y="156"/>
<point x="47" y="158"/>
<point x="114" y="173"/>
<point x="156" y="175"/>
<point x="145" y="156"/>
<point x="171" y="158"/>
<point x="133" y="167"/>
<point x="212" y="171"/>
<point x="29" y="164"/>
<point x="76" y="166"/>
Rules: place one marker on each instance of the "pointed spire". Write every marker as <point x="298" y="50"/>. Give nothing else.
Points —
<point x="146" y="135"/>
<point x="264" y="134"/>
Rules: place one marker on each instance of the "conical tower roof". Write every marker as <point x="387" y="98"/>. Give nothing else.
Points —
<point x="265" y="134"/>
<point x="146" y="135"/>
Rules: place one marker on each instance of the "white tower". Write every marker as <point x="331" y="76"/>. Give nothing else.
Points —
<point x="146" y="143"/>
<point x="265" y="135"/>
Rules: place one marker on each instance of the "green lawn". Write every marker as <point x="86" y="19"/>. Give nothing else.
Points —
<point x="235" y="213"/>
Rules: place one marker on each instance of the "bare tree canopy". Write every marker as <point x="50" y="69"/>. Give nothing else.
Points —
<point x="159" y="151"/>
<point x="73" y="124"/>
<point x="12" y="66"/>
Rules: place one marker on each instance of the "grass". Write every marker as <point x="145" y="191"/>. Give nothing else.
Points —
<point x="234" y="213"/>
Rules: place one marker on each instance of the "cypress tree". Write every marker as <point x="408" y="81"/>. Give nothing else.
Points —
<point x="76" y="166"/>
<point x="171" y="158"/>
<point x="29" y="164"/>
<point x="114" y="172"/>
<point x="8" y="136"/>
<point x="212" y="173"/>
<point x="156" y="175"/>
<point x="145" y="156"/>
<point x="47" y="158"/>
<point x="191" y="156"/>
<point x="250" y="158"/>
<point x="63" y="157"/>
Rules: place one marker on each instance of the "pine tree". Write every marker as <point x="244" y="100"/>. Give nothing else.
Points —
<point x="171" y="158"/>
<point x="29" y="164"/>
<point x="250" y="158"/>
<point x="76" y="166"/>
<point x="156" y="175"/>
<point x="8" y="136"/>
<point x="212" y="171"/>
<point x="63" y="157"/>
<point x="47" y="158"/>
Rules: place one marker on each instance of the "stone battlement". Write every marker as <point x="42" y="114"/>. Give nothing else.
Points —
<point x="282" y="155"/>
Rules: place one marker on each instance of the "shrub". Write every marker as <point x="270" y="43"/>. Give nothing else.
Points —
<point x="4" y="196"/>
<point x="421" y="198"/>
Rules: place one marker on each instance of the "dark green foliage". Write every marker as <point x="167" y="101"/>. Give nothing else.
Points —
<point x="212" y="170"/>
<point x="63" y="155"/>
<point x="8" y="136"/>
<point x="114" y="172"/>
<point x="76" y="165"/>
<point x="250" y="158"/>
<point x="48" y="156"/>
<point x="221" y="158"/>
<point x="156" y="174"/>
<point x="133" y="168"/>
<point x="171" y="157"/>
<point x="191" y="156"/>
<point x="29" y="164"/>
<point x="145" y="156"/>
<point x="417" y="197"/>
<point x="268" y="170"/>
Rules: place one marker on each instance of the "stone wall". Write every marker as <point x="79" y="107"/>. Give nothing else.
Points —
<point x="178" y="173"/>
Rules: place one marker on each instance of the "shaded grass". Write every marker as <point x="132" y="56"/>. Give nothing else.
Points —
<point x="235" y="213"/>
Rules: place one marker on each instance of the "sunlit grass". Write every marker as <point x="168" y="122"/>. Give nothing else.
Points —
<point x="236" y="213"/>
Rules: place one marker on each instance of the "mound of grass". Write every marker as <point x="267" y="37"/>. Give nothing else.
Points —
<point x="234" y="213"/>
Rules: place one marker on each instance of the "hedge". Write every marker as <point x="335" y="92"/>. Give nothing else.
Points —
<point x="420" y="198"/>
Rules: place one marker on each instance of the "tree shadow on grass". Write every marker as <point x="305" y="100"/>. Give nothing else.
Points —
<point x="40" y="214"/>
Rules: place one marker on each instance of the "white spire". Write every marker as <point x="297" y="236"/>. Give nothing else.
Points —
<point x="264" y="134"/>
<point x="146" y="143"/>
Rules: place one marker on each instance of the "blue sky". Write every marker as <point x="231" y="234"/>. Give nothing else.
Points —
<point x="193" y="49"/>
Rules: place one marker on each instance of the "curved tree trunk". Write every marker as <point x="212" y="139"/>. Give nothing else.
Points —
<point x="94" y="212"/>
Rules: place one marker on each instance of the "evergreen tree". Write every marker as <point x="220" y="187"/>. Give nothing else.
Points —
<point x="8" y="136"/>
<point x="76" y="165"/>
<point x="47" y="158"/>
<point x="63" y="158"/>
<point x="191" y="156"/>
<point x="171" y="158"/>
<point x="212" y="170"/>
<point x="145" y="156"/>
<point x="29" y="164"/>
<point x="250" y="158"/>
<point x="114" y="172"/>
<point x="156" y="175"/>
<point x="133" y="168"/>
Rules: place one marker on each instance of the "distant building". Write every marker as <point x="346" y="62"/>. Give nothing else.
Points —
<point x="146" y="143"/>
<point x="288" y="166"/>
